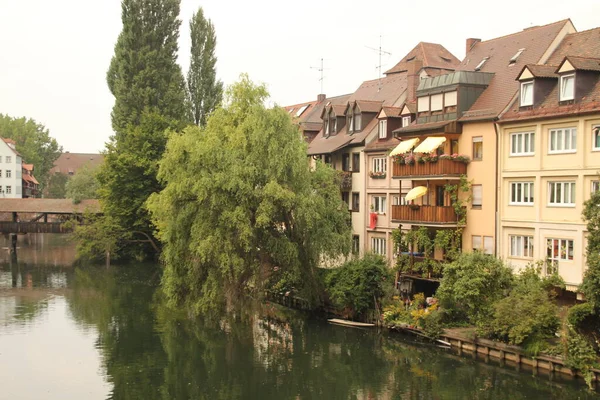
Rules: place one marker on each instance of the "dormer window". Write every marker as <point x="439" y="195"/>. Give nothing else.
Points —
<point x="350" y="122"/>
<point x="567" y="87"/>
<point x="357" y="121"/>
<point x="383" y="129"/>
<point x="406" y="121"/>
<point x="481" y="64"/>
<point x="526" y="93"/>
<point x="332" y="124"/>
<point x="514" y="58"/>
<point x="326" y="126"/>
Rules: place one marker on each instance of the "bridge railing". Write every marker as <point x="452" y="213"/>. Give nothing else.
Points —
<point x="34" y="227"/>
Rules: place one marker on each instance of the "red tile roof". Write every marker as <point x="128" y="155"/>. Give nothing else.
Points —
<point x="369" y="106"/>
<point x="581" y="48"/>
<point x="71" y="162"/>
<point x="392" y="112"/>
<point x="541" y="71"/>
<point x="584" y="63"/>
<point x="52" y="206"/>
<point x="503" y="87"/>
<point x="433" y="55"/>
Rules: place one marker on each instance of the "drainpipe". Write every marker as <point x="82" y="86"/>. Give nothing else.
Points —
<point x="497" y="211"/>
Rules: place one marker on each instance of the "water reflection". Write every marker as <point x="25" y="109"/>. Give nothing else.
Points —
<point x="104" y="333"/>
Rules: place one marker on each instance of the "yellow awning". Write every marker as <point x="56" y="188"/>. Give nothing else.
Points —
<point x="430" y="144"/>
<point x="404" y="146"/>
<point x="416" y="192"/>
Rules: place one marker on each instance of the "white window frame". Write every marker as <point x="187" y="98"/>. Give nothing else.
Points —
<point x="526" y="140"/>
<point x="595" y="186"/>
<point x="8" y="159"/>
<point x="526" y="101"/>
<point x="480" y="188"/>
<point x="380" y="164"/>
<point x="326" y="127"/>
<point x="566" y="96"/>
<point x="357" y="122"/>
<point x="521" y="246"/>
<point x="521" y="193"/>
<point x="566" y="138"/>
<point x="379" y="204"/>
<point x="563" y="191"/>
<point x="351" y="123"/>
<point x="406" y="121"/>
<point x="8" y="173"/>
<point x="399" y="200"/>
<point x="9" y="189"/>
<point x="595" y="133"/>
<point x="379" y="246"/>
<point x="563" y="255"/>
<point x="382" y="128"/>
<point x="477" y="139"/>
<point x="436" y="102"/>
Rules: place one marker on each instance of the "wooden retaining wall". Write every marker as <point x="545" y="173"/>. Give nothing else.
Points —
<point x="512" y="354"/>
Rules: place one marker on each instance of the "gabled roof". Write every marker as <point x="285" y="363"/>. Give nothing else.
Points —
<point x="11" y="145"/>
<point x="582" y="63"/>
<point x="580" y="48"/>
<point x="71" y="162"/>
<point x="369" y="106"/>
<point x="540" y="71"/>
<point x="499" y="51"/>
<point x="391" y="112"/>
<point x="432" y="55"/>
<point x="299" y="111"/>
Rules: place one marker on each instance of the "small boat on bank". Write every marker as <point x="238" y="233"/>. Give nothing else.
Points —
<point x="350" y="323"/>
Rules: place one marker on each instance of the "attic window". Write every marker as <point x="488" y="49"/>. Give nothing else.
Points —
<point x="301" y="110"/>
<point x="527" y="94"/>
<point x="480" y="65"/>
<point x="567" y="87"/>
<point x="291" y="110"/>
<point x="514" y="58"/>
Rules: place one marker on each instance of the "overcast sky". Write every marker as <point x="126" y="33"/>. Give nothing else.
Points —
<point x="55" y="53"/>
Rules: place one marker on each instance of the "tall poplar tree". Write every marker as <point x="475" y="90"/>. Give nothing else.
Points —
<point x="205" y="91"/>
<point x="149" y="90"/>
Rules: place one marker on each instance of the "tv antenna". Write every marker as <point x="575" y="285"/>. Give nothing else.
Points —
<point x="380" y="51"/>
<point x="322" y="78"/>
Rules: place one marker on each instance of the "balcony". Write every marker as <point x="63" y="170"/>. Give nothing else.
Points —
<point x="433" y="215"/>
<point x="442" y="168"/>
<point x="346" y="181"/>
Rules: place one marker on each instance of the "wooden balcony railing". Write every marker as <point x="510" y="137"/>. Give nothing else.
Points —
<point x="424" y="214"/>
<point x="439" y="168"/>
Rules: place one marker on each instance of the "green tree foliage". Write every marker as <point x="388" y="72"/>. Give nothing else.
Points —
<point x="591" y="281"/>
<point x="204" y="90"/>
<point x="240" y="199"/>
<point x="83" y="185"/>
<point x="149" y="91"/>
<point x="57" y="186"/>
<point x="527" y="314"/>
<point x="355" y="286"/>
<point x="34" y="143"/>
<point x="472" y="284"/>
<point x="99" y="238"/>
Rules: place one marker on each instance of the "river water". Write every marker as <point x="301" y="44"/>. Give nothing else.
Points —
<point x="96" y="333"/>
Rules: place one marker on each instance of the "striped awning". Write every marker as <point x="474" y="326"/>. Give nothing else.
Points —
<point x="430" y="144"/>
<point x="404" y="146"/>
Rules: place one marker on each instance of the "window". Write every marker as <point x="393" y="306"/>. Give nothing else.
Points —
<point x="476" y="243"/>
<point x="327" y="159"/>
<point x="355" y="201"/>
<point x="300" y="110"/>
<point x="346" y="198"/>
<point x="478" y="148"/>
<point x="0" y="173"/>
<point x="437" y="101"/>
<point x="423" y="104"/>
<point x="514" y="58"/>
<point x="355" y="162"/>
<point x="488" y="245"/>
<point x="378" y="204"/>
<point x="454" y="146"/>
<point x="450" y="99"/>
<point x="378" y="246"/>
<point x="383" y="129"/>
<point x="326" y="127"/>
<point x="8" y="173"/>
<point x="521" y="193"/>
<point x="480" y="65"/>
<point x="350" y="123"/>
<point x="527" y="94"/>
<point x="399" y="200"/>
<point x="355" y="244"/>
<point x="595" y="186"/>
<point x="477" y="196"/>
<point x="9" y="159"/>
<point x="380" y="165"/>
<point x="346" y="162"/>
<point x="406" y="121"/>
<point x="8" y="189"/>
<point x="561" y="193"/>
<point x="522" y="144"/>
<point x="567" y="87"/>
<point x="521" y="246"/>
<point x="357" y="122"/>
<point x="560" y="249"/>
<point x="562" y="140"/>
<point x="596" y="136"/>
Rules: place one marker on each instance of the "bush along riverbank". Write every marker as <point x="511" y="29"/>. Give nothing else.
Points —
<point x="485" y="298"/>
<point x="481" y="305"/>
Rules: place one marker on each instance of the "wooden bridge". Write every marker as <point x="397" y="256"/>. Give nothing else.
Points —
<point x="42" y="215"/>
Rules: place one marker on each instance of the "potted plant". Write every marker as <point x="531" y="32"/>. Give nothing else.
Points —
<point x="377" y="175"/>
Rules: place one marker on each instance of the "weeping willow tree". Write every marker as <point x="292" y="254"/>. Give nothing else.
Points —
<point x="240" y="200"/>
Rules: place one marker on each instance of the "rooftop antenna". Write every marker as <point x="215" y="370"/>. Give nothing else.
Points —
<point x="380" y="51"/>
<point x="320" y="69"/>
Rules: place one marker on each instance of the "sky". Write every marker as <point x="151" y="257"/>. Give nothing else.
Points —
<point x="55" y="53"/>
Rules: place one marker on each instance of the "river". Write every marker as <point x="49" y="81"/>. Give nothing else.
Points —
<point x="96" y="333"/>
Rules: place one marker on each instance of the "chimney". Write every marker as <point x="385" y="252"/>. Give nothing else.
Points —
<point x="471" y="42"/>
<point x="412" y="72"/>
<point x="321" y="97"/>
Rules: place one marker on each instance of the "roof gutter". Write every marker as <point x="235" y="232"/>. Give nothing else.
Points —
<point x="497" y="211"/>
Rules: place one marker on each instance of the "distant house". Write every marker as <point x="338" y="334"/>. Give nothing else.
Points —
<point x="30" y="184"/>
<point x="69" y="163"/>
<point x="11" y="185"/>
